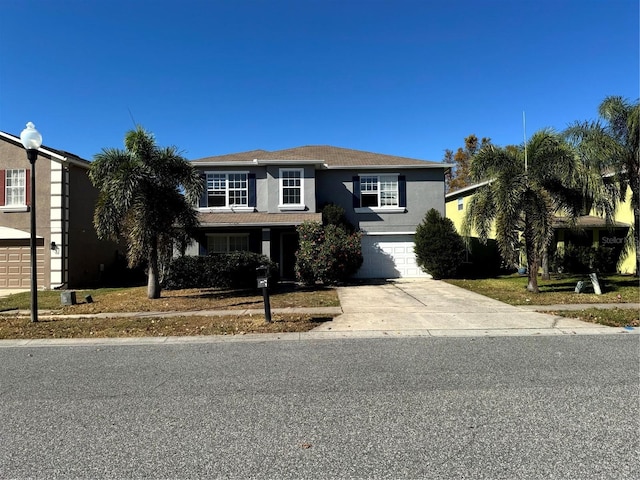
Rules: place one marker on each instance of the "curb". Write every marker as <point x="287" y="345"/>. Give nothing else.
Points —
<point x="320" y="335"/>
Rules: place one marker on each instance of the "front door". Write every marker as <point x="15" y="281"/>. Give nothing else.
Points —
<point x="288" y="249"/>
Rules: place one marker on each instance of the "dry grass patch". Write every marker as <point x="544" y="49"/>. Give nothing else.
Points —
<point x="52" y="323"/>
<point x="113" y="300"/>
<point x="616" y="317"/>
<point x="14" y="327"/>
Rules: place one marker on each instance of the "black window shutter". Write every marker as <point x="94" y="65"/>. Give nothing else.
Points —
<point x="356" y="192"/>
<point x="402" y="191"/>
<point x="252" y="189"/>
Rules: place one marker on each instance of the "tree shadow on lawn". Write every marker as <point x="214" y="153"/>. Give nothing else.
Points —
<point x="247" y="293"/>
<point x="606" y="284"/>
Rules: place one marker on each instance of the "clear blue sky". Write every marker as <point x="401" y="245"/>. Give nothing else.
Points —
<point x="402" y="77"/>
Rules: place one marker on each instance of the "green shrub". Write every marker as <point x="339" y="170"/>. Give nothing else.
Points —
<point x="439" y="249"/>
<point x="582" y="259"/>
<point x="333" y="214"/>
<point x="230" y="270"/>
<point x="326" y="254"/>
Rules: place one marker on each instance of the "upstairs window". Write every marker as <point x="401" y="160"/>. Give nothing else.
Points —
<point x="379" y="191"/>
<point x="460" y="203"/>
<point x="15" y="188"/>
<point x="226" y="190"/>
<point x="291" y="188"/>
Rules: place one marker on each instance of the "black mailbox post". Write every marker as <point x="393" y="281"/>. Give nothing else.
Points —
<point x="263" y="283"/>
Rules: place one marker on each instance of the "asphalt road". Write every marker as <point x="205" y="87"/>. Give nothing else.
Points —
<point x="496" y="408"/>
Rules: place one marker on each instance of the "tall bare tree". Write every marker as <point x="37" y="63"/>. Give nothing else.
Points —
<point x="460" y="177"/>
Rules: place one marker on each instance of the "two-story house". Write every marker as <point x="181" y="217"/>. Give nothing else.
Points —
<point x="255" y="200"/>
<point x="69" y="253"/>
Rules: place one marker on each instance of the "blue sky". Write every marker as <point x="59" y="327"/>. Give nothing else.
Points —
<point x="402" y="77"/>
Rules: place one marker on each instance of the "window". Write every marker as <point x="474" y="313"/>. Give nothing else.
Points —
<point x="227" y="190"/>
<point x="15" y="188"/>
<point x="460" y="203"/>
<point x="291" y="188"/>
<point x="227" y="243"/>
<point x="379" y="191"/>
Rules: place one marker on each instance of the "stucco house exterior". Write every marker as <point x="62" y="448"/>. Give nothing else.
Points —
<point x="69" y="253"/>
<point x="591" y="230"/>
<point x="254" y="201"/>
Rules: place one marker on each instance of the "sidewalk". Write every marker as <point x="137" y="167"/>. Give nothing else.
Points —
<point x="399" y="309"/>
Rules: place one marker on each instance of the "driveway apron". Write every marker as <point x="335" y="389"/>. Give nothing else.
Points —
<point x="424" y="304"/>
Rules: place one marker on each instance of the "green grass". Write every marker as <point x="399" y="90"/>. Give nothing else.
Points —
<point x="560" y="290"/>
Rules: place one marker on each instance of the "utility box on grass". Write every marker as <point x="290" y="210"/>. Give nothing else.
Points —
<point x="68" y="298"/>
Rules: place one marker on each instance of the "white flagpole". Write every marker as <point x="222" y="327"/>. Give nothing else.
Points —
<point x="524" y="131"/>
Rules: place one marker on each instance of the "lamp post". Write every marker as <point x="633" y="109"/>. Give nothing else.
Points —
<point x="32" y="140"/>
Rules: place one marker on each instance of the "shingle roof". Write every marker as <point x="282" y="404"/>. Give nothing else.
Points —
<point x="256" y="219"/>
<point x="587" y="221"/>
<point x="331" y="156"/>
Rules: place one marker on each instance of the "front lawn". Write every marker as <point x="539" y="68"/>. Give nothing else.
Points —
<point x="13" y="326"/>
<point x="110" y="300"/>
<point x="560" y="290"/>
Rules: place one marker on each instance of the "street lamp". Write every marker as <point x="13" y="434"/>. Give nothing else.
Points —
<point x="31" y="139"/>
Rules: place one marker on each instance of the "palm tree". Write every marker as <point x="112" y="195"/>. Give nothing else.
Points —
<point x="146" y="196"/>
<point x="611" y="145"/>
<point x="527" y="188"/>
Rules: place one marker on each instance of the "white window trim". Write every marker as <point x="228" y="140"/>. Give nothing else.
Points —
<point x="227" y="207"/>
<point x="14" y="208"/>
<point x="385" y="209"/>
<point x="380" y="210"/>
<point x="460" y="203"/>
<point x="290" y="206"/>
<point x="232" y="209"/>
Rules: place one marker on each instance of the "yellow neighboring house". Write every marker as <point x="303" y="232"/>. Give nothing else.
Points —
<point x="592" y="229"/>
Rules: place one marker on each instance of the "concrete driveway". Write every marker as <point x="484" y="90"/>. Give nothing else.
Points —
<point x="433" y="307"/>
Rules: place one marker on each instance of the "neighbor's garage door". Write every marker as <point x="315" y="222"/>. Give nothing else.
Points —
<point x="388" y="256"/>
<point x="15" y="266"/>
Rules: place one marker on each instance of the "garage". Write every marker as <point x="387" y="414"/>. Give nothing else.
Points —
<point x="15" y="259"/>
<point x="389" y="256"/>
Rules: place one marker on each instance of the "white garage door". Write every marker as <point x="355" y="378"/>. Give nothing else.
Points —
<point x="15" y="266"/>
<point x="388" y="256"/>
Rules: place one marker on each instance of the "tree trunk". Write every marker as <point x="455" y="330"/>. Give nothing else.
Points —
<point x="545" y="264"/>
<point x="532" y="285"/>
<point x="636" y="237"/>
<point x="153" y="285"/>
<point x="532" y="256"/>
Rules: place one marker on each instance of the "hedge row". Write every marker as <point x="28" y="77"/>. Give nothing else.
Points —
<point x="224" y="271"/>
